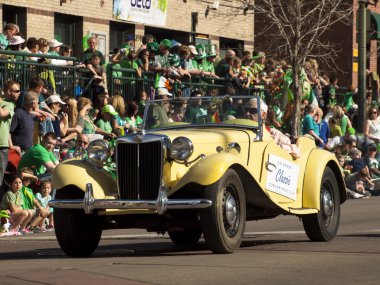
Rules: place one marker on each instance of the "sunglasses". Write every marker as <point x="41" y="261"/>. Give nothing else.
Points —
<point x="372" y="149"/>
<point x="85" y="143"/>
<point x="15" y="91"/>
<point x="374" y="112"/>
<point x="251" y="110"/>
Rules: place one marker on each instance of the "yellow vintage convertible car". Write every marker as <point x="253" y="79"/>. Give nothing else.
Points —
<point x="198" y="166"/>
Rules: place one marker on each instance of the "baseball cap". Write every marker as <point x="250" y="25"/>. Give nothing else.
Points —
<point x="54" y="99"/>
<point x="174" y="43"/>
<point x="130" y="37"/>
<point x="54" y="43"/>
<point x="193" y="50"/>
<point x="109" y="109"/>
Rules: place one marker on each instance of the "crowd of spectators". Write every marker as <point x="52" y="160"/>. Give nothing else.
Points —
<point x="35" y="122"/>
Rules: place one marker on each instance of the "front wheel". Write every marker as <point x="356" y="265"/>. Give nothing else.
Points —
<point x="323" y="226"/>
<point x="223" y="223"/>
<point x="78" y="234"/>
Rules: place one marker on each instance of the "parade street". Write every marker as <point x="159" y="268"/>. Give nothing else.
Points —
<point x="273" y="252"/>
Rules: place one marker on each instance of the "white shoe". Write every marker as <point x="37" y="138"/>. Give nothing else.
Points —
<point x="357" y="195"/>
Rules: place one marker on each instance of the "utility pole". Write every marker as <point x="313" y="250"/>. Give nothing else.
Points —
<point x="362" y="68"/>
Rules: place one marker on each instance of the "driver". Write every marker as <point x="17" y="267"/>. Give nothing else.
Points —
<point x="195" y="112"/>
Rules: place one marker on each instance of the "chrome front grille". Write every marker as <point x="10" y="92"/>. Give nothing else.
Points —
<point x="139" y="167"/>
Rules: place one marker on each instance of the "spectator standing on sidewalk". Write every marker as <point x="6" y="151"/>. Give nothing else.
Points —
<point x="22" y="125"/>
<point x="6" y="114"/>
<point x="309" y="125"/>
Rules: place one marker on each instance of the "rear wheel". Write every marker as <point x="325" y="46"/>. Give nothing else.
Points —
<point x="185" y="237"/>
<point x="223" y="223"/>
<point x="324" y="225"/>
<point x="78" y="234"/>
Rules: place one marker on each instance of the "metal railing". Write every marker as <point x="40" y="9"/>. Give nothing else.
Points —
<point x="74" y="81"/>
<point x="18" y="66"/>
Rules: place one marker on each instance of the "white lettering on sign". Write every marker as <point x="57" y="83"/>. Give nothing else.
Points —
<point x="282" y="178"/>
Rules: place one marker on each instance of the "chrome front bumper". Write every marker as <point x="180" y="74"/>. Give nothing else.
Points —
<point x="89" y="203"/>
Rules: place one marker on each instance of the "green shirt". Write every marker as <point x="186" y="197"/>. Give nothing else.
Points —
<point x="27" y="198"/>
<point x="11" y="198"/>
<point x="35" y="158"/>
<point x="87" y="54"/>
<point x="162" y="61"/>
<point x="208" y="66"/>
<point x="104" y="125"/>
<point x="196" y="115"/>
<point x="3" y="42"/>
<point x="5" y="123"/>
<point x="135" y="123"/>
<point x="87" y="127"/>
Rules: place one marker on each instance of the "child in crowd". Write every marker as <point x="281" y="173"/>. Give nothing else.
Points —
<point x="30" y="203"/>
<point x="99" y="80"/>
<point x="142" y="98"/>
<point x="108" y="112"/>
<point x="12" y="202"/>
<point x="43" y="198"/>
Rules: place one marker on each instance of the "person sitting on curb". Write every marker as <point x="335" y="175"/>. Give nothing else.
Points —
<point x="30" y="203"/>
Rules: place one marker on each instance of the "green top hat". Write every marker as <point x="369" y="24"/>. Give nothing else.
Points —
<point x="153" y="46"/>
<point x="211" y="50"/>
<point x="201" y="49"/>
<point x="174" y="59"/>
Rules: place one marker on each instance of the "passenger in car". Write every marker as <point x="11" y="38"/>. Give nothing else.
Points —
<point x="282" y="140"/>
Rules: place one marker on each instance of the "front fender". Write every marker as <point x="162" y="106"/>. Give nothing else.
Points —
<point x="210" y="169"/>
<point x="316" y="164"/>
<point x="80" y="172"/>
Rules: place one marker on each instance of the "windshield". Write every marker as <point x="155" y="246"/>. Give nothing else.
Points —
<point x="196" y="111"/>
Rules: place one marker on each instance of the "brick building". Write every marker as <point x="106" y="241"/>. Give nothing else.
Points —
<point x="71" y="20"/>
<point x="345" y="38"/>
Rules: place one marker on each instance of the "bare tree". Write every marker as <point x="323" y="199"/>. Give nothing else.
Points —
<point x="297" y="28"/>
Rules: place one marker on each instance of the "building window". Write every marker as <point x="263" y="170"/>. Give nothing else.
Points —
<point x="69" y="30"/>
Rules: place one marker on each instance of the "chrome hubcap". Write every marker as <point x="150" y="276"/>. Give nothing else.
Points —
<point x="327" y="203"/>
<point x="230" y="210"/>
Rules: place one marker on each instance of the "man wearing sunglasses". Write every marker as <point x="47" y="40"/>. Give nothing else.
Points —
<point x="80" y="149"/>
<point x="251" y="110"/>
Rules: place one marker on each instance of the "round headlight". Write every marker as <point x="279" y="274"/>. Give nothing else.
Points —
<point x="98" y="151"/>
<point x="182" y="148"/>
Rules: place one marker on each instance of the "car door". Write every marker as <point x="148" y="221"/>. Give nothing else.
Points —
<point x="281" y="177"/>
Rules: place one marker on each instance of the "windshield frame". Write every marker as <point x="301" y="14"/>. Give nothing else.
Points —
<point x="256" y="129"/>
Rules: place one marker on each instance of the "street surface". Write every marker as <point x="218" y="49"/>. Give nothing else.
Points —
<point x="274" y="251"/>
